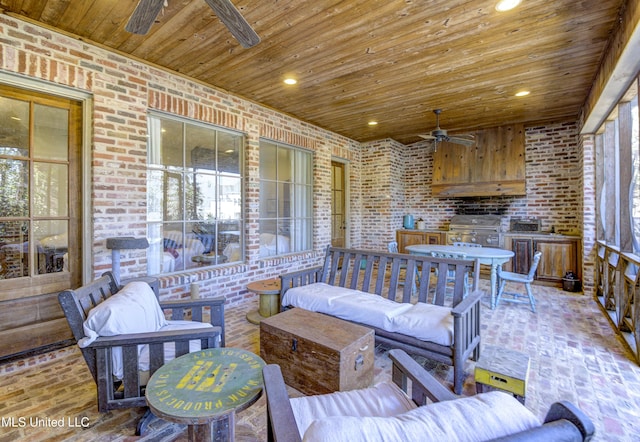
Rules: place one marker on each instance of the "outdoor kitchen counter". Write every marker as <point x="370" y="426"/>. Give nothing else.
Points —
<point x="561" y="253"/>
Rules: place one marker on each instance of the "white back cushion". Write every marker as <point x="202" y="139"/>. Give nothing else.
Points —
<point x="134" y="309"/>
<point x="472" y="419"/>
<point x="384" y="399"/>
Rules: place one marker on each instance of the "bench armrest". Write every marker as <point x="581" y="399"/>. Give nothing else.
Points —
<point x="423" y="385"/>
<point x="467" y="303"/>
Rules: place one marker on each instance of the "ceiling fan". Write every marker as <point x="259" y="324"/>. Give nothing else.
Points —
<point x="147" y="10"/>
<point x="438" y="135"/>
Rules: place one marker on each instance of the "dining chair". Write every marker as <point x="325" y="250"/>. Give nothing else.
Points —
<point x="519" y="278"/>
<point x="392" y="247"/>
<point x="451" y="274"/>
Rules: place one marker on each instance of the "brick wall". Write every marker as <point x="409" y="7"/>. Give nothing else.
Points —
<point x="123" y="92"/>
<point x="553" y="175"/>
<point x="386" y="179"/>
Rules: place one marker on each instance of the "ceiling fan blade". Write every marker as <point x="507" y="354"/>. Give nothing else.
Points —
<point x="235" y="22"/>
<point x="144" y="16"/>
<point x="427" y="137"/>
<point x="463" y="141"/>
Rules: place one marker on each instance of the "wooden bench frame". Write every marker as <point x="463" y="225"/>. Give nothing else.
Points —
<point x="374" y="272"/>
<point x="128" y="392"/>
<point x="564" y="421"/>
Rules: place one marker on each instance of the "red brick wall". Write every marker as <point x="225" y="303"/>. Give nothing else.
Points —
<point x="123" y="92"/>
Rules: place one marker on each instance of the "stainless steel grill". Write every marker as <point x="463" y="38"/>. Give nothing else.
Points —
<point x="478" y="229"/>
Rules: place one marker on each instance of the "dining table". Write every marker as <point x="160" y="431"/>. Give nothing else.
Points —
<point x="491" y="256"/>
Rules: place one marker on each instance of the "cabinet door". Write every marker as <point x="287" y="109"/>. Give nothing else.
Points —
<point x="433" y="238"/>
<point x="522" y="247"/>
<point x="407" y="238"/>
<point x="558" y="257"/>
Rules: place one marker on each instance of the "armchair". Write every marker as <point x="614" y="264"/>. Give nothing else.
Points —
<point x="388" y="412"/>
<point x="124" y="337"/>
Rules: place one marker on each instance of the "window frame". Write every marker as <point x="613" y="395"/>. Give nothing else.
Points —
<point x="294" y="232"/>
<point x="192" y="224"/>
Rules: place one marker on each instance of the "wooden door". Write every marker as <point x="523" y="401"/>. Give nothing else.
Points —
<point x="523" y="249"/>
<point x="338" y="205"/>
<point x="40" y="218"/>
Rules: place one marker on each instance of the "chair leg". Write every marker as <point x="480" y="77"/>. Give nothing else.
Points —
<point x="500" y="292"/>
<point x="532" y="300"/>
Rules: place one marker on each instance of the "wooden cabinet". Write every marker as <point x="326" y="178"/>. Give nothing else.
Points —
<point x="409" y="237"/>
<point x="494" y="166"/>
<point x="560" y="254"/>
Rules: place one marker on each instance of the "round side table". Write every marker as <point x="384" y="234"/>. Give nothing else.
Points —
<point x="269" y="292"/>
<point x="205" y="389"/>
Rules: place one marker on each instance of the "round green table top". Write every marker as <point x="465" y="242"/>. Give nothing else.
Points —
<point x="198" y="387"/>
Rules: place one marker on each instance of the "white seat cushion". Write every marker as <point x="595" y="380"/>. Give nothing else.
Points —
<point x="472" y="419"/>
<point x="427" y="322"/>
<point x="384" y="399"/>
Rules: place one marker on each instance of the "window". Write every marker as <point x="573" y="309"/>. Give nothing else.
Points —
<point x="286" y="199"/>
<point x="618" y="170"/>
<point x="194" y="188"/>
<point x="38" y="166"/>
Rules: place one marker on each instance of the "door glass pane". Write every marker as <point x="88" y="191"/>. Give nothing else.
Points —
<point x="50" y="194"/>
<point x="14" y="127"/>
<point x="50" y="132"/>
<point x="53" y="244"/>
<point x="14" y="188"/>
<point x="14" y="249"/>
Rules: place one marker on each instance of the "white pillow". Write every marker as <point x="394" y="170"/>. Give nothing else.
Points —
<point x="134" y="309"/>
<point x="383" y="399"/>
<point x="472" y="419"/>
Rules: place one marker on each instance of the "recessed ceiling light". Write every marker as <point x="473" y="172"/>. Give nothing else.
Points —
<point x="372" y="123"/>
<point x="290" y="81"/>
<point x="506" y="5"/>
<point x="522" y="93"/>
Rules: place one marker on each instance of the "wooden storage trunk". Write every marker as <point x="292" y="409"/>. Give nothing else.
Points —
<point x="318" y="353"/>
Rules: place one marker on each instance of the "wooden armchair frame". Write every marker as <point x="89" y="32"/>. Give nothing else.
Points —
<point x="563" y="420"/>
<point x="128" y="392"/>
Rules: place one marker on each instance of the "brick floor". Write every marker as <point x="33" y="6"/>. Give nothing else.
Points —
<point x="574" y="354"/>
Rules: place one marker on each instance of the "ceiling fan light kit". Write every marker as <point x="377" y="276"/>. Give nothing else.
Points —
<point x="147" y="11"/>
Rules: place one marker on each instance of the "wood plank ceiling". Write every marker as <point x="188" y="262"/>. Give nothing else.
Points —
<point x="392" y="61"/>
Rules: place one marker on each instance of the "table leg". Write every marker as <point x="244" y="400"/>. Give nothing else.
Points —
<point x="218" y="430"/>
<point x="494" y="283"/>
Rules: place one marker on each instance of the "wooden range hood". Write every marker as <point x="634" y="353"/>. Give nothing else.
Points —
<point x="495" y="166"/>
